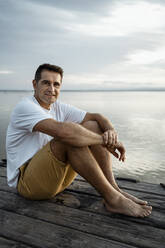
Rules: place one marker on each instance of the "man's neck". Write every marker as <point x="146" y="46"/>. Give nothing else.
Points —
<point x="43" y="105"/>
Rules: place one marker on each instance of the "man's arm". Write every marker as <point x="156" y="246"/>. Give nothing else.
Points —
<point x="69" y="133"/>
<point x="103" y="122"/>
<point x="120" y="149"/>
<point x="109" y="136"/>
<point x="109" y="133"/>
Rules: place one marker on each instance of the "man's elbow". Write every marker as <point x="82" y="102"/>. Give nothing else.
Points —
<point x="65" y="132"/>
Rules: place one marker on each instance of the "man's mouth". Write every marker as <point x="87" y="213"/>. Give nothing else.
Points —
<point x="50" y="95"/>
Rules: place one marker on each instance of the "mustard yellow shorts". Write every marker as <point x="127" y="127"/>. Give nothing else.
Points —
<point x="44" y="176"/>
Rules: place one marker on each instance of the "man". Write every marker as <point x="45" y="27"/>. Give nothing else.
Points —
<point x="49" y="142"/>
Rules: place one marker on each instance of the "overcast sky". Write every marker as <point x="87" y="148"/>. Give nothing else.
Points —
<point x="107" y="44"/>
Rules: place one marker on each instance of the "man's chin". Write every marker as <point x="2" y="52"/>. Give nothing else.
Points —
<point x="52" y="100"/>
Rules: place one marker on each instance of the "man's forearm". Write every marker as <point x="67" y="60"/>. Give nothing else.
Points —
<point x="69" y="133"/>
<point x="76" y="135"/>
<point x="106" y="127"/>
<point x="103" y="122"/>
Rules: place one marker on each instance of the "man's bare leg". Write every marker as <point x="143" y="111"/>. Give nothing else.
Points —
<point x="104" y="160"/>
<point x="83" y="162"/>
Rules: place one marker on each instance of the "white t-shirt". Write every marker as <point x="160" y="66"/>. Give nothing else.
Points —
<point x="21" y="142"/>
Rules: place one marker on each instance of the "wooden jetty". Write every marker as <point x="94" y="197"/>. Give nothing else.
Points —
<point x="76" y="218"/>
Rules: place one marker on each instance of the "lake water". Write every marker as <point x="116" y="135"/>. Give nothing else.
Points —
<point x="139" y="118"/>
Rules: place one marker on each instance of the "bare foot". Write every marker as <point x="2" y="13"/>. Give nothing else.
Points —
<point x="123" y="205"/>
<point x="127" y="195"/>
<point x="133" y="198"/>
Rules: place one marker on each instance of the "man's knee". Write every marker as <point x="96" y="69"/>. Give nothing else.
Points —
<point x="59" y="150"/>
<point x="92" y="126"/>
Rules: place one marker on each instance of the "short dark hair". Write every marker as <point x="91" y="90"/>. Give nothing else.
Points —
<point x="48" y="67"/>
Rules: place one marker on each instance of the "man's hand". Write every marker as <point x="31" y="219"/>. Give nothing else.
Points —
<point x="120" y="148"/>
<point x="110" y="138"/>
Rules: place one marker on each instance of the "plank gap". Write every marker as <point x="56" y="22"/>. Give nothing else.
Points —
<point x="21" y="244"/>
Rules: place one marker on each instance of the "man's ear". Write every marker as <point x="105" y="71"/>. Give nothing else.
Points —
<point x="34" y="84"/>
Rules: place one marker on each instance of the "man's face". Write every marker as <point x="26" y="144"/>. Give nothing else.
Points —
<point x="47" y="89"/>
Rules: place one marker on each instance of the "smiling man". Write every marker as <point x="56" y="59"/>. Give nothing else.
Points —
<point x="49" y="142"/>
<point x="48" y="88"/>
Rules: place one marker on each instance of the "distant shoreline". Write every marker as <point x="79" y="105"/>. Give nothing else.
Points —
<point x="95" y="90"/>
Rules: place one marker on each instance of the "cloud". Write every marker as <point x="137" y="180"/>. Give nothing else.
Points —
<point x="6" y="72"/>
<point x="148" y="57"/>
<point x="135" y="74"/>
<point x="123" y="19"/>
<point x="92" y="6"/>
<point x="96" y="42"/>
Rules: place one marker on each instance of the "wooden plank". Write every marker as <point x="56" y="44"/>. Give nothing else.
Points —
<point x="2" y="171"/>
<point x="123" y="184"/>
<point x="139" y="186"/>
<point x="45" y="234"/>
<point x="143" y="187"/>
<point x="6" y="243"/>
<point x="3" y="162"/>
<point x="94" y="204"/>
<point x="86" y="188"/>
<point x="157" y="201"/>
<point x="111" y="227"/>
<point x="4" y="186"/>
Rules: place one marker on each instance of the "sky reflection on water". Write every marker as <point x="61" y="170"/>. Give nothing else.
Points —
<point x="139" y="118"/>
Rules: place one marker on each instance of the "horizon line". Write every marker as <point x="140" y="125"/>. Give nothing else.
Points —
<point x="90" y="90"/>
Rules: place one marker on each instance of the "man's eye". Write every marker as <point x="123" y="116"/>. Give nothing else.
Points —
<point x="57" y="85"/>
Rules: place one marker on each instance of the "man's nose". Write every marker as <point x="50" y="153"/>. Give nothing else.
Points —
<point x="51" y="88"/>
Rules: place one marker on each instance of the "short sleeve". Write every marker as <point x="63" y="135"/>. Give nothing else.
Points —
<point x="72" y="114"/>
<point x="27" y="114"/>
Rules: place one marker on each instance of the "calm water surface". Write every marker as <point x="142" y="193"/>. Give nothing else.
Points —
<point x="139" y="118"/>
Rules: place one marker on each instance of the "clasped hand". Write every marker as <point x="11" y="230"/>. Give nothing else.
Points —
<point x="113" y="145"/>
<point x="110" y="137"/>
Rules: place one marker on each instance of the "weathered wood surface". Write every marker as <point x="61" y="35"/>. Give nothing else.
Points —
<point x="77" y="218"/>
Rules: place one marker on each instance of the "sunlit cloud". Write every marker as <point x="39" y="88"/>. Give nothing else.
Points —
<point x="85" y="78"/>
<point x="120" y="44"/>
<point x="148" y="57"/>
<point x="6" y="72"/>
<point x="124" y="18"/>
<point x="117" y="76"/>
<point x="137" y="75"/>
